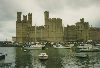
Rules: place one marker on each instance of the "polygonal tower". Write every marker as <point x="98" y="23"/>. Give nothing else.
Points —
<point x="29" y="19"/>
<point x="19" y="16"/>
<point x="46" y="17"/>
<point x="19" y="27"/>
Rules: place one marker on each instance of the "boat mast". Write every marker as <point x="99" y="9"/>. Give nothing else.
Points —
<point x="41" y="34"/>
<point x="35" y="32"/>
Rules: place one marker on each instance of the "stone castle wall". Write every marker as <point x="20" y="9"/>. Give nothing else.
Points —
<point x="51" y="31"/>
<point x="81" y="31"/>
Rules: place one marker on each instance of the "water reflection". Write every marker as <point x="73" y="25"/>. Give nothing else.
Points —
<point x="76" y="62"/>
<point x="23" y="59"/>
<point x="9" y="60"/>
<point x="58" y="58"/>
<point x="54" y="60"/>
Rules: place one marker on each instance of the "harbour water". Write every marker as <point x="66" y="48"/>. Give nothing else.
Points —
<point x="57" y="58"/>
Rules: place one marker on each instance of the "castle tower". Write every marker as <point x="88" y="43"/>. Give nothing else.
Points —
<point x="82" y="30"/>
<point x="19" y="27"/>
<point x="46" y="17"/>
<point x="82" y="20"/>
<point x="24" y="18"/>
<point x="30" y="19"/>
<point x="19" y="16"/>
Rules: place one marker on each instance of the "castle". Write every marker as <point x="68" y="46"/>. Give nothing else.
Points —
<point x="81" y="31"/>
<point x="53" y="30"/>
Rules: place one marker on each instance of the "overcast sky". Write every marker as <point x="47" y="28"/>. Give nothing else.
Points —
<point x="69" y="10"/>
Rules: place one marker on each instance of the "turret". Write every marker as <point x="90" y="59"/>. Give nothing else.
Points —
<point x="46" y="17"/>
<point x="19" y="16"/>
<point x="24" y="17"/>
<point x="30" y="19"/>
<point x="82" y="20"/>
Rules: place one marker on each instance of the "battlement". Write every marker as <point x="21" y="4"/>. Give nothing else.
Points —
<point x="55" y="19"/>
<point x="30" y="17"/>
<point x="86" y="22"/>
<point x="19" y="13"/>
<point x="30" y="14"/>
<point x="19" y="16"/>
<point x="39" y="27"/>
<point x="82" y="20"/>
<point x="46" y="12"/>
<point x="25" y="17"/>
<point x="71" y="27"/>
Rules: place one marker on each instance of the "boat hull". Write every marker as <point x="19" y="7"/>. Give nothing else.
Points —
<point x="62" y="47"/>
<point x="31" y="48"/>
<point x="43" y="57"/>
<point x="80" y="55"/>
<point x="89" y="50"/>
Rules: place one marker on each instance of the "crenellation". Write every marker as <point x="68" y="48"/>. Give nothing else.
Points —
<point x="24" y="17"/>
<point x="30" y="17"/>
<point x="82" y="20"/>
<point x="19" y="16"/>
<point x="46" y="17"/>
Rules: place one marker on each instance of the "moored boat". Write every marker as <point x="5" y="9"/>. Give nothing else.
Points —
<point x="34" y="46"/>
<point x="2" y="56"/>
<point x="81" y="55"/>
<point x="43" y="56"/>
<point x="61" y="46"/>
<point x="88" y="48"/>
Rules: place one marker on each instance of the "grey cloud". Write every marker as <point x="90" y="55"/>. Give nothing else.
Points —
<point x="6" y="10"/>
<point x="55" y="5"/>
<point x="50" y="5"/>
<point x="1" y="25"/>
<point x="8" y="28"/>
<point x="78" y="4"/>
<point x="97" y="23"/>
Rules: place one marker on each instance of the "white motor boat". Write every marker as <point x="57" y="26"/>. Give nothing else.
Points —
<point x="81" y="55"/>
<point x="88" y="48"/>
<point x="34" y="46"/>
<point x="43" y="56"/>
<point x="60" y="46"/>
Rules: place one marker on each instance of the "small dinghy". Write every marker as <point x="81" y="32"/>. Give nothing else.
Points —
<point x="43" y="56"/>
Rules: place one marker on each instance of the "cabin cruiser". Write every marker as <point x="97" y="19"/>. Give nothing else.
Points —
<point x="61" y="46"/>
<point x="43" y="56"/>
<point x="88" y="48"/>
<point x="35" y="46"/>
<point x="81" y="55"/>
